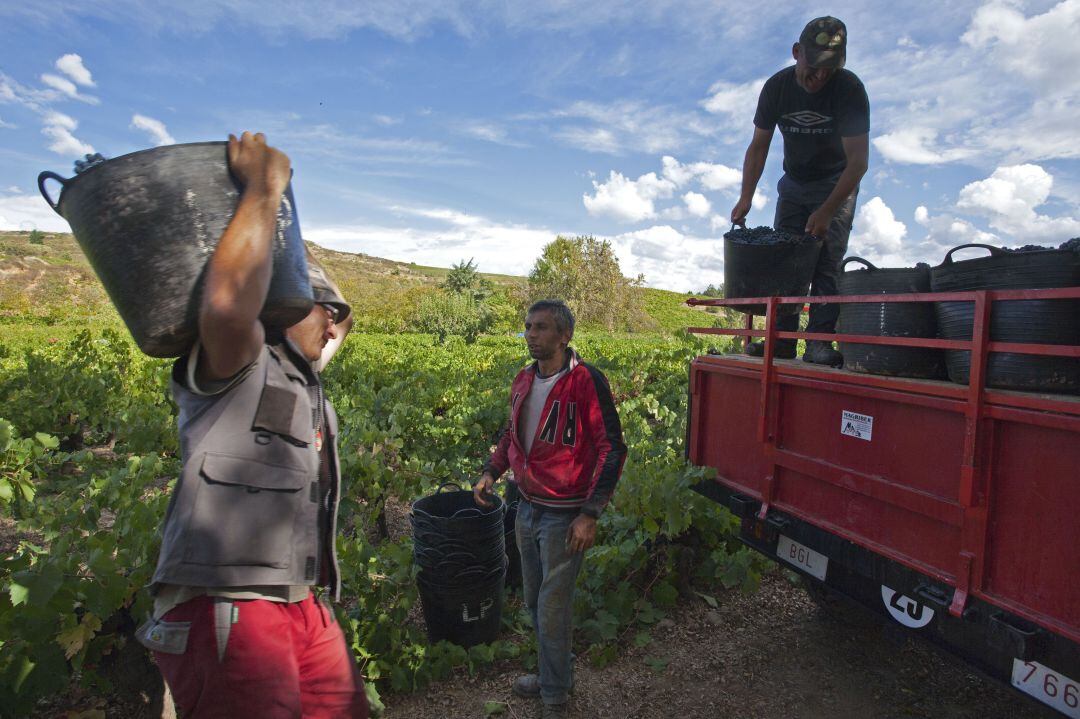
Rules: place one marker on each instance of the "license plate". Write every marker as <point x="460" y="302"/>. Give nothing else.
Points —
<point x="813" y="563"/>
<point x="1051" y="688"/>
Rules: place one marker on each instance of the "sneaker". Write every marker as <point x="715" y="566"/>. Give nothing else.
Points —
<point x="555" y="711"/>
<point x="820" y="352"/>
<point x="527" y="686"/>
<point x="783" y="350"/>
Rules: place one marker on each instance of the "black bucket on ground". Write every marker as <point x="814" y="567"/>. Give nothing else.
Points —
<point x="460" y="549"/>
<point x="761" y="262"/>
<point x="463" y="615"/>
<point x="1053" y="322"/>
<point x="889" y="319"/>
<point x="149" y="221"/>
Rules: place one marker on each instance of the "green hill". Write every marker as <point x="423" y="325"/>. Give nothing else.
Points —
<point x="46" y="280"/>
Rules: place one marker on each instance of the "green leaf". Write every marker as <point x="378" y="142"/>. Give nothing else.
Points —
<point x="27" y="490"/>
<point x="494" y="708"/>
<point x="47" y="440"/>
<point x="5" y="435"/>
<point x="709" y="599"/>
<point x="5" y="489"/>
<point x="36" y="587"/>
<point x="642" y="639"/>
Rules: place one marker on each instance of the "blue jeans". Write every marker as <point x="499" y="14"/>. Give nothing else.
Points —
<point x="549" y="573"/>
<point x="795" y="203"/>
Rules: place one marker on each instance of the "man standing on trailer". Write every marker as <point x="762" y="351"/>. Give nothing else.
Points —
<point x="824" y="115"/>
<point x="564" y="443"/>
<point x="249" y="531"/>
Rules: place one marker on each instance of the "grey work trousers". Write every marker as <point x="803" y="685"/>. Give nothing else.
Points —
<point x="795" y="203"/>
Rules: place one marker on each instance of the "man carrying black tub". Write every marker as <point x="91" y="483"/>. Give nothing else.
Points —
<point x="249" y="532"/>
<point x="824" y="115"/>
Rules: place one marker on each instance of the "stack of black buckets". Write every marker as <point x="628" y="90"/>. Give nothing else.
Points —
<point x="461" y="551"/>
<point x="1023" y="321"/>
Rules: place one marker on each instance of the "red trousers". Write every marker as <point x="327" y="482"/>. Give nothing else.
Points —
<point x="282" y="661"/>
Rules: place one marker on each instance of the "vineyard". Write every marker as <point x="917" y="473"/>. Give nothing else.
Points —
<point x="88" y="453"/>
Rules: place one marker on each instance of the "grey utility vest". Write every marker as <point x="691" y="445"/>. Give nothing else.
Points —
<point x="245" y="511"/>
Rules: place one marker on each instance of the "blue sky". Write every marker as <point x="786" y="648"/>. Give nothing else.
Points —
<point x="434" y="132"/>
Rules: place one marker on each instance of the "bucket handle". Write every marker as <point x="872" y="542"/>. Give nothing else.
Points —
<point x="994" y="251"/>
<point x="447" y="483"/>
<point x="49" y="175"/>
<point x="869" y="265"/>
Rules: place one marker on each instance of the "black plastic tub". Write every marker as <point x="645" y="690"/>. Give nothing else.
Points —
<point x="1053" y="322"/>
<point x="456" y="513"/>
<point x="888" y="319"/>
<point x="783" y="267"/>
<point x="464" y="615"/>
<point x="149" y="221"/>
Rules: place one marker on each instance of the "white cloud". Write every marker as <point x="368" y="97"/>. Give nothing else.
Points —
<point x="626" y="126"/>
<point x="876" y="234"/>
<point x="491" y="133"/>
<point x="760" y="199"/>
<point x="1005" y="98"/>
<point x="1009" y="198"/>
<point x="59" y="119"/>
<point x="628" y="200"/>
<point x="154" y="128"/>
<point x="442" y="237"/>
<point x="915" y="146"/>
<point x="711" y="177"/>
<point x="59" y="128"/>
<point x="922" y="215"/>
<point x="670" y="259"/>
<point x="60" y="83"/>
<point x="21" y="212"/>
<point x="1036" y="49"/>
<point x="67" y="88"/>
<point x="72" y="66"/>
<point x="697" y="204"/>
<point x="386" y="120"/>
<point x="734" y="102"/>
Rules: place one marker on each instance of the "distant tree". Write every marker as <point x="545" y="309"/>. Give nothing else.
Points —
<point x="465" y="279"/>
<point x="713" y="291"/>
<point x="443" y="314"/>
<point x="37" y="237"/>
<point x="466" y="305"/>
<point x="585" y="273"/>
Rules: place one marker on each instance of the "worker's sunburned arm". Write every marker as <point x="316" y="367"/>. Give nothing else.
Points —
<point x="857" y="150"/>
<point x="753" y="166"/>
<point x="238" y="273"/>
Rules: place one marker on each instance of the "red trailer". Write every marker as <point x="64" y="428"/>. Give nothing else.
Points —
<point x="950" y="508"/>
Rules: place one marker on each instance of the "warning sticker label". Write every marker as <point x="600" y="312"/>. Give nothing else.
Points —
<point x="859" y="426"/>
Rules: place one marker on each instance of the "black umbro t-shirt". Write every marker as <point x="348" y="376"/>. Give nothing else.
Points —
<point x="813" y="123"/>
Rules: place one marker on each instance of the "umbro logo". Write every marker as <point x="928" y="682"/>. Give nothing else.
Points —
<point x="807" y="118"/>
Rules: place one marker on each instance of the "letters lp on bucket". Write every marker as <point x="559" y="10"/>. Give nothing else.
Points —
<point x="859" y="426"/>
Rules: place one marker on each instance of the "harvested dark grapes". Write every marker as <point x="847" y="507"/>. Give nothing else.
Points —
<point x="1072" y="245"/>
<point x="762" y="236"/>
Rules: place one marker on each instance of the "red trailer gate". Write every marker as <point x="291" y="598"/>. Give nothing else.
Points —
<point x="951" y="508"/>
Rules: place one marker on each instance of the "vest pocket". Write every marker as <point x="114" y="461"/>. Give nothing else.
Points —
<point x="245" y="511"/>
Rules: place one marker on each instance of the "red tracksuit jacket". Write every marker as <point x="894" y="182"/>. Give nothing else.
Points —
<point x="578" y="452"/>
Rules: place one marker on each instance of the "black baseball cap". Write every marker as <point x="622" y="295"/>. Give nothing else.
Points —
<point x="824" y="42"/>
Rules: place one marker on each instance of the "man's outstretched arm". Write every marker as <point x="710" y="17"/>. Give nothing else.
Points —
<point x="753" y="166"/>
<point x="238" y="273"/>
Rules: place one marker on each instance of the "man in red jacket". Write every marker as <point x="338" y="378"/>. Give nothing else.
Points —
<point x="564" y="443"/>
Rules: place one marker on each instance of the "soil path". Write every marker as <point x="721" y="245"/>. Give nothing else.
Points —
<point x="773" y="655"/>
